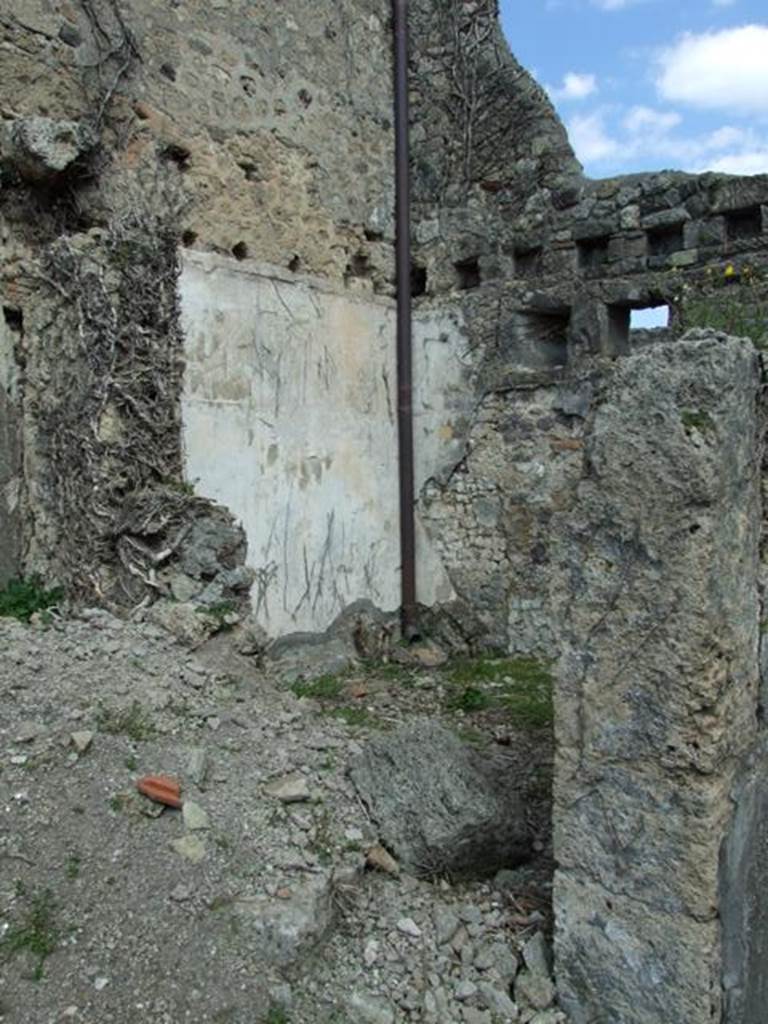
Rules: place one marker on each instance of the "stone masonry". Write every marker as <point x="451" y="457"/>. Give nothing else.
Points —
<point x="657" y="713"/>
<point x="585" y="491"/>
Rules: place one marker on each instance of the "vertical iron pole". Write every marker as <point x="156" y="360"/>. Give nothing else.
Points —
<point x="404" y="342"/>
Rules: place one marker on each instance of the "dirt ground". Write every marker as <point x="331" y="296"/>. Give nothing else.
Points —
<point x="255" y="902"/>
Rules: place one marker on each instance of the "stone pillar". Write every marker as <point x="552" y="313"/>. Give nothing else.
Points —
<point x="10" y="459"/>
<point x="658" y="818"/>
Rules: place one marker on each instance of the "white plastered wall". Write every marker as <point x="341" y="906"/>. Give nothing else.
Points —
<point x="289" y="414"/>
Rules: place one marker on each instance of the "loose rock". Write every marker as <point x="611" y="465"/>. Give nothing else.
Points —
<point x="82" y="740"/>
<point x="195" y="817"/>
<point x="190" y="847"/>
<point x="438" y="804"/>
<point x="290" y="789"/>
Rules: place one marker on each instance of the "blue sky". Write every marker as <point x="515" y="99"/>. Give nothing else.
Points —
<point x="651" y="84"/>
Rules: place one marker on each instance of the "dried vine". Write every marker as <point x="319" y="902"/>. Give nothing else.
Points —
<point x="108" y="417"/>
<point x="477" y="107"/>
<point x="117" y="53"/>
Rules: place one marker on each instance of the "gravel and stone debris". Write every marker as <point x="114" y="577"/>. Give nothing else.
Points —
<point x="273" y="890"/>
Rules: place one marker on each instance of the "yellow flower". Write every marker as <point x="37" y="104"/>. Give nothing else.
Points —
<point x="729" y="270"/>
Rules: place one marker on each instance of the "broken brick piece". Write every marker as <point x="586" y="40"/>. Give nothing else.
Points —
<point x="161" y="788"/>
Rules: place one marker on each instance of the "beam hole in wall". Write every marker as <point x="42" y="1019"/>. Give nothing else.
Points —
<point x="250" y="170"/>
<point x="593" y="253"/>
<point x="467" y="273"/>
<point x="665" y="240"/>
<point x="188" y="238"/>
<point x="358" y="266"/>
<point x="373" y="236"/>
<point x="176" y="154"/>
<point x="541" y="339"/>
<point x="746" y="223"/>
<point x="418" y="280"/>
<point x="240" y="251"/>
<point x="294" y="263"/>
<point x="14" y="318"/>
<point x="527" y="262"/>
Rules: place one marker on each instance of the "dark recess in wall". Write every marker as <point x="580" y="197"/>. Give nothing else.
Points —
<point x="593" y="253"/>
<point x="418" y="280"/>
<point x="666" y="240"/>
<point x="745" y="223"/>
<point x="467" y="273"/>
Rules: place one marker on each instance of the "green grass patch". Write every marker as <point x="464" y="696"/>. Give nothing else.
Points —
<point x="522" y="686"/>
<point x="221" y="613"/>
<point x="352" y="715"/>
<point x="474" y="737"/>
<point x="277" y="1015"/>
<point x="390" y="671"/>
<point x="326" y="687"/>
<point x="469" y="698"/>
<point x="133" y="722"/>
<point x="36" y="933"/>
<point x="696" y="419"/>
<point x="21" y="599"/>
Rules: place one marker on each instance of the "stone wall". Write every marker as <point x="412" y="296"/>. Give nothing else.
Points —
<point x="659" y="827"/>
<point x="549" y="308"/>
<point x="277" y="119"/>
<point x="250" y="131"/>
<point x="263" y="133"/>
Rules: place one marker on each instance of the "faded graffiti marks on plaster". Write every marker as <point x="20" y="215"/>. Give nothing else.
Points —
<point x="289" y="418"/>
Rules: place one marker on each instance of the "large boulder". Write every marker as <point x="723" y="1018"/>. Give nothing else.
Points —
<point x="440" y="805"/>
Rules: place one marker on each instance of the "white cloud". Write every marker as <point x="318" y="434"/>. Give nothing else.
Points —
<point x="726" y="70"/>
<point x="590" y="138"/>
<point x="575" y="87"/>
<point x="616" y="5"/>
<point x="611" y="140"/>
<point x="641" y="119"/>
<point x="755" y="162"/>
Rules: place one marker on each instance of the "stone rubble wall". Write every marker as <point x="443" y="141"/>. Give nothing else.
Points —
<point x="246" y="130"/>
<point x="261" y="134"/>
<point x="267" y="134"/>
<point x="656" y="569"/>
<point x="549" y="310"/>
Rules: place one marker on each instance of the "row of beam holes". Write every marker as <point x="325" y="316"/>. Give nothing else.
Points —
<point x="528" y="262"/>
<point x="663" y="241"/>
<point x="467" y="276"/>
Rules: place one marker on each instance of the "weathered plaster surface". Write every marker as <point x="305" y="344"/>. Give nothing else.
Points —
<point x="655" y="581"/>
<point x="10" y="458"/>
<point x="290" y="420"/>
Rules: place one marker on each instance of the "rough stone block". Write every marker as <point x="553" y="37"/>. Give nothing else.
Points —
<point x="10" y="465"/>
<point x="40" y="148"/>
<point x="655" y="581"/>
<point x="438" y="804"/>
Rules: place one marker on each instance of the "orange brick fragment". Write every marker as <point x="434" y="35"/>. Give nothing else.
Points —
<point x="163" y="789"/>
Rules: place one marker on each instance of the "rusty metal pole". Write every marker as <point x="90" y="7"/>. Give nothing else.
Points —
<point x="404" y="340"/>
